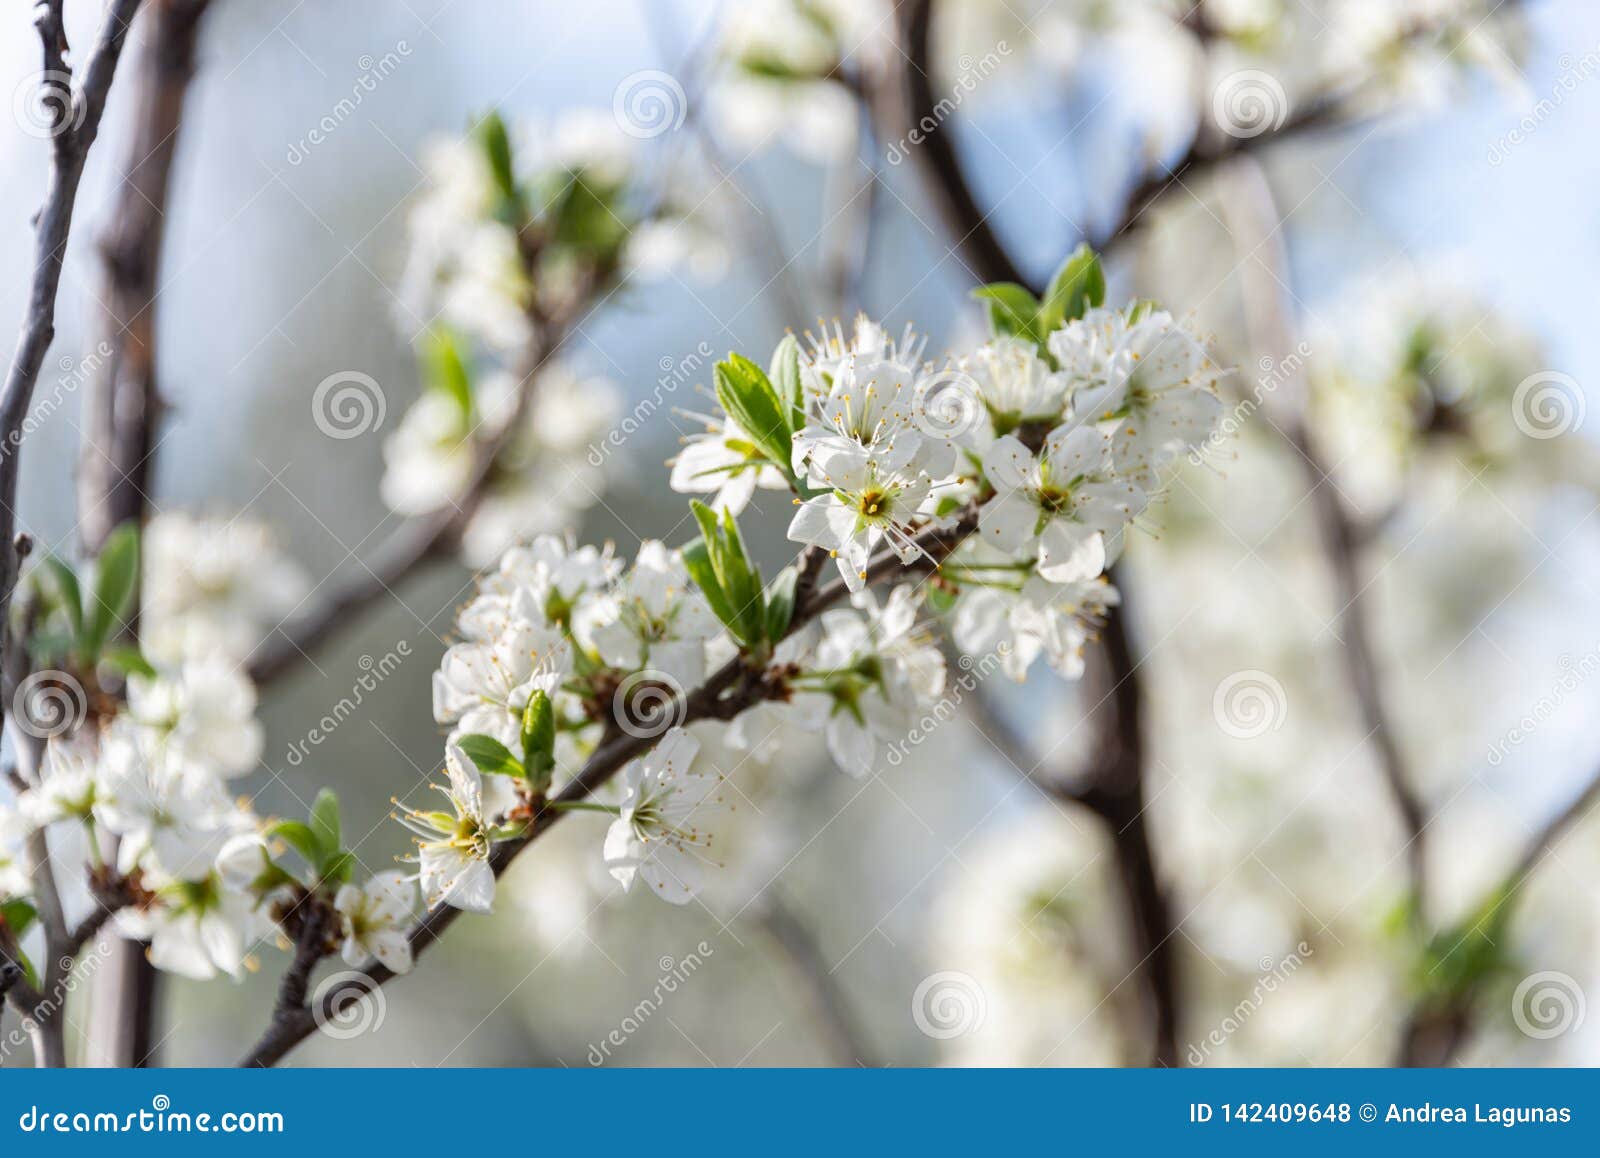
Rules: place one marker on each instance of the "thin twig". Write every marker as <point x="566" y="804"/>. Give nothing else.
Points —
<point x="791" y="936"/>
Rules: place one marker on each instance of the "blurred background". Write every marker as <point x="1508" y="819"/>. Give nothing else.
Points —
<point x="1388" y="276"/>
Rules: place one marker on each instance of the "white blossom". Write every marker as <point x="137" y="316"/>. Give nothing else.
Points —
<point x="665" y="832"/>
<point x="453" y="847"/>
<point x="204" y="711"/>
<point x="373" y="921"/>
<point x="868" y="505"/>
<point x="653" y="619"/>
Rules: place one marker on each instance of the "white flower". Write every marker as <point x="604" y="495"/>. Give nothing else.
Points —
<point x="664" y="832"/>
<point x="725" y="463"/>
<point x="1066" y="503"/>
<point x="431" y="458"/>
<point x="874" y="671"/>
<point x="204" y="711"/>
<point x="551" y="573"/>
<point x="864" y="399"/>
<point x="1150" y="376"/>
<point x="168" y="813"/>
<point x="868" y="505"/>
<point x="197" y="927"/>
<point x="655" y="619"/>
<point x="374" y="920"/>
<point x="212" y="586"/>
<point x="483" y="684"/>
<point x="1016" y="388"/>
<point x="453" y="849"/>
<point x="1018" y="622"/>
<point x="69" y="787"/>
<point x="243" y="859"/>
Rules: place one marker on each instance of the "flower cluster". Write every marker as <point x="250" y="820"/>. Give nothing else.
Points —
<point x="1011" y="475"/>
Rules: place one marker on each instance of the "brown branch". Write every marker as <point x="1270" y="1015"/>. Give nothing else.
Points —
<point x="727" y="692"/>
<point x="430" y="537"/>
<point x="121" y="409"/>
<point x="77" y="126"/>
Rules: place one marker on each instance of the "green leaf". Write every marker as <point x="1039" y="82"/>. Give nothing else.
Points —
<point x="116" y="576"/>
<point x="780" y="603"/>
<point x="697" y="561"/>
<point x="18" y="915"/>
<point x="750" y="400"/>
<point x="447" y="371"/>
<point x="490" y="755"/>
<point x="339" y="868"/>
<point x="127" y="660"/>
<point x="325" y="825"/>
<point x="1012" y="309"/>
<point x="785" y="376"/>
<point x="742" y="581"/>
<point x="299" y="837"/>
<point x="538" y="739"/>
<point x="1077" y="286"/>
<point x="65" y="581"/>
<point x="496" y="142"/>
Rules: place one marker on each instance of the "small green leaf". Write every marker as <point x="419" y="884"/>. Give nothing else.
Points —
<point x="325" y="825"/>
<point x="1012" y="309"/>
<point x="780" y="603"/>
<point x="742" y="581"/>
<point x="447" y="370"/>
<point x="115" y="580"/>
<point x="750" y="400"/>
<point x="339" y="868"/>
<point x="490" y="755"/>
<point x="538" y="739"/>
<point x="299" y="837"/>
<point x="1077" y="286"/>
<point x="65" y="582"/>
<point x="18" y="914"/>
<point x="496" y="142"/>
<point x="785" y="376"/>
<point x="127" y="660"/>
<point x="697" y="561"/>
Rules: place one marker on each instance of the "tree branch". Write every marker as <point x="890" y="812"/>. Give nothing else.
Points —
<point x="77" y="125"/>
<point x="728" y="691"/>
